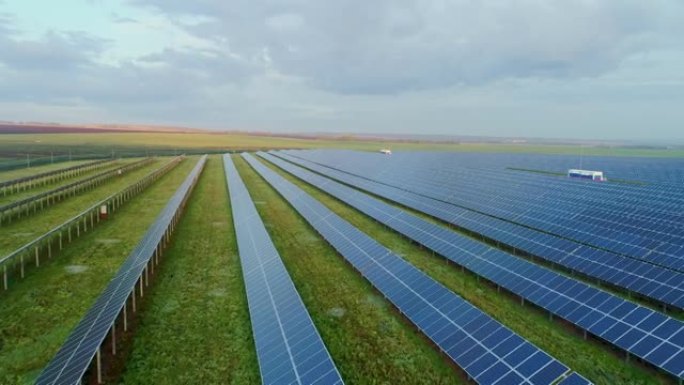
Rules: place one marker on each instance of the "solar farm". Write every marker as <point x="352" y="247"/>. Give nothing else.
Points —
<point x="330" y="266"/>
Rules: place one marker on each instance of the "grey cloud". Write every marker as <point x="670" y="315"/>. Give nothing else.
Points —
<point x="56" y="51"/>
<point x="122" y="19"/>
<point x="65" y="67"/>
<point x="388" y="46"/>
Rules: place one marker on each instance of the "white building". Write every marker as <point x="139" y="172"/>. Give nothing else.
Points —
<point x="587" y="174"/>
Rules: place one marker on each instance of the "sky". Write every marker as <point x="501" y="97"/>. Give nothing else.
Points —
<point x="592" y="69"/>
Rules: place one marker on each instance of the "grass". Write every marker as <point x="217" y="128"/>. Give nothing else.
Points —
<point x="23" y="172"/>
<point x="592" y="359"/>
<point x="195" y="327"/>
<point x="23" y="194"/>
<point x="106" y="142"/>
<point x="367" y="338"/>
<point x="39" y="312"/>
<point x="20" y="231"/>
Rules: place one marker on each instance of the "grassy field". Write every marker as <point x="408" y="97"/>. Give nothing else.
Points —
<point x="28" y="171"/>
<point x="195" y="327"/>
<point x="368" y="340"/>
<point x="105" y="142"/>
<point x="38" y="313"/>
<point x="23" y="230"/>
<point x="590" y="358"/>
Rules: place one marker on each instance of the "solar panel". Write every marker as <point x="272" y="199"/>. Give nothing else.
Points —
<point x="640" y="222"/>
<point x="289" y="348"/>
<point x="486" y="350"/>
<point x="655" y="282"/>
<point x="609" y="317"/>
<point x="75" y="356"/>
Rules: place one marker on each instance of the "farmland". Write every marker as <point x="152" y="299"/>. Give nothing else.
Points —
<point x="141" y="142"/>
<point x="176" y="240"/>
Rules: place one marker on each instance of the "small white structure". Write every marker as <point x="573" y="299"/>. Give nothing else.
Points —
<point x="386" y="151"/>
<point x="587" y="174"/>
<point x="104" y="214"/>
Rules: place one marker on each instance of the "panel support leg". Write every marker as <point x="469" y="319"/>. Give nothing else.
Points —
<point x="125" y="316"/>
<point x="114" y="339"/>
<point x="99" y="366"/>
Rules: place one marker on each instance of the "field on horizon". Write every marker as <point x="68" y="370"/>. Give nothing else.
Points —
<point x="122" y="142"/>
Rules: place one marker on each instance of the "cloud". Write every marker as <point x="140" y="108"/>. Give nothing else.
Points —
<point x="65" y="67"/>
<point x="593" y="68"/>
<point x="56" y="51"/>
<point x="384" y="46"/>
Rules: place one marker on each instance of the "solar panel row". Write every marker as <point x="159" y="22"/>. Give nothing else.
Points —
<point x="486" y="350"/>
<point x="614" y="219"/>
<point x="55" y="235"/>
<point x="658" y="283"/>
<point x="289" y="348"/>
<point x="16" y="208"/>
<point x="645" y="169"/>
<point x="9" y="184"/>
<point x="617" y="205"/>
<point x="643" y="332"/>
<point x="556" y="205"/>
<point x="75" y="356"/>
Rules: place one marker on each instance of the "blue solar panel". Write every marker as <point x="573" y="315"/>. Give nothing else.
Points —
<point x="641" y="222"/>
<point x="72" y="360"/>
<point x="289" y="348"/>
<point x="574" y="379"/>
<point x="651" y="281"/>
<point x="609" y="317"/>
<point x="485" y="349"/>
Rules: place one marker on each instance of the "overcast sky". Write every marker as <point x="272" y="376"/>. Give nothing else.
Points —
<point x="609" y="69"/>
